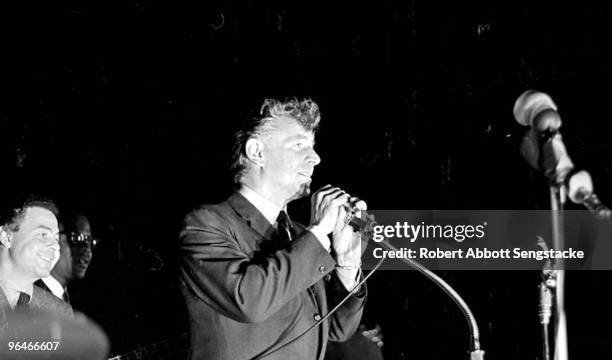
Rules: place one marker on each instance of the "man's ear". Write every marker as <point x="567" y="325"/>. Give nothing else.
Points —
<point x="255" y="151"/>
<point x="5" y="237"/>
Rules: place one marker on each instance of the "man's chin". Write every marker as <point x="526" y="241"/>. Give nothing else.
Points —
<point x="80" y="273"/>
<point x="303" y="191"/>
<point x="43" y="273"/>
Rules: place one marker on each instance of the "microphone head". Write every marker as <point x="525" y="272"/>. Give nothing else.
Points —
<point x="534" y="106"/>
<point x="580" y="186"/>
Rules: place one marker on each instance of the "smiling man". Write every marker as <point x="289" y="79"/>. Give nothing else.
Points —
<point x="28" y="251"/>
<point x="257" y="285"/>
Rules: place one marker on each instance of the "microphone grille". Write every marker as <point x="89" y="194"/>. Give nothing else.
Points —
<point x="530" y="103"/>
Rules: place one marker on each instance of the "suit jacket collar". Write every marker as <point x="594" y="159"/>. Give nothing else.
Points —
<point x="41" y="284"/>
<point x="251" y="215"/>
<point x="266" y="207"/>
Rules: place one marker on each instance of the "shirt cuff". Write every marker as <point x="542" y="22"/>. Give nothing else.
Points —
<point x="349" y="277"/>
<point x="321" y="236"/>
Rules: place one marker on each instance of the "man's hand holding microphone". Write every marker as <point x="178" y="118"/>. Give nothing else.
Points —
<point x="331" y="210"/>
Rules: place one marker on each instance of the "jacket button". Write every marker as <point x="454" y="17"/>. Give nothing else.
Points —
<point x="317" y="317"/>
<point x="322" y="268"/>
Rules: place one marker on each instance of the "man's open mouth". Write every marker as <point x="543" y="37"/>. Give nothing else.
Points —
<point x="45" y="258"/>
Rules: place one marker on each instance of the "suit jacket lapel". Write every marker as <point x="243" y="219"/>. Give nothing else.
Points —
<point x="41" y="284"/>
<point x="4" y="307"/>
<point x="3" y="300"/>
<point x="251" y="215"/>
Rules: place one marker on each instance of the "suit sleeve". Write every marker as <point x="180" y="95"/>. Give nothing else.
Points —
<point x="345" y="321"/>
<point x="216" y="270"/>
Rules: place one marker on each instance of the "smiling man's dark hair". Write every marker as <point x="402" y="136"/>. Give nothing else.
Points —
<point x="13" y="211"/>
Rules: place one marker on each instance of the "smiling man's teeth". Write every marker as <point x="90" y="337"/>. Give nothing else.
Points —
<point x="47" y="259"/>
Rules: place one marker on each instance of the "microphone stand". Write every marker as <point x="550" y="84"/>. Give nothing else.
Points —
<point x="546" y="150"/>
<point x="558" y="196"/>
<point x="544" y="310"/>
<point x="475" y="352"/>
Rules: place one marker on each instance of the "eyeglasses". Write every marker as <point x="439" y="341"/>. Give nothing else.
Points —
<point x="81" y="239"/>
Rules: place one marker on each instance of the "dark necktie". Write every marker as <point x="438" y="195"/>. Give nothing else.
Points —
<point x="285" y="227"/>
<point x="23" y="303"/>
<point x="65" y="296"/>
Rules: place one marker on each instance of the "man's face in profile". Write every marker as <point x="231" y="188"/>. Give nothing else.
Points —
<point x="76" y="251"/>
<point x="290" y="158"/>
<point x="81" y="258"/>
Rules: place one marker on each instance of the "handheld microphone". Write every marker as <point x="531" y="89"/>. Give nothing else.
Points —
<point x="359" y="223"/>
<point x="542" y="146"/>
<point x="363" y="223"/>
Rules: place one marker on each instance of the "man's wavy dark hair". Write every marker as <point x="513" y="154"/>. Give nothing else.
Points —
<point x="305" y="111"/>
<point x="13" y="213"/>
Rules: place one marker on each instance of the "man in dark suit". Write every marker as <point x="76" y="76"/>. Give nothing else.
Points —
<point x="28" y="251"/>
<point x="254" y="282"/>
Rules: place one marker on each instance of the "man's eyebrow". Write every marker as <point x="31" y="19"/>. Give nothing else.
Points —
<point x="45" y="227"/>
<point x="300" y="137"/>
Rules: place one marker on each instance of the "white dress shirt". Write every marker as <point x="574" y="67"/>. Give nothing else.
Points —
<point x="55" y="286"/>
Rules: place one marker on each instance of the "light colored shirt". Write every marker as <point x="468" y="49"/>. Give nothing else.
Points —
<point x="55" y="286"/>
<point x="266" y="207"/>
<point x="12" y="292"/>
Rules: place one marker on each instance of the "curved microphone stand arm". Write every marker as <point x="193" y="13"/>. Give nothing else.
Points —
<point x="476" y="353"/>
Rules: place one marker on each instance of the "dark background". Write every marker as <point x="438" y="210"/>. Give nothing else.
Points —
<point x="125" y="111"/>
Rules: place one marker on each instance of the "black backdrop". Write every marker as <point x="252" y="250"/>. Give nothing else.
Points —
<point x="125" y="111"/>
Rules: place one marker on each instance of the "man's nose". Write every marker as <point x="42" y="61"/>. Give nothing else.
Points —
<point x="86" y="252"/>
<point x="54" y="245"/>
<point x="314" y="158"/>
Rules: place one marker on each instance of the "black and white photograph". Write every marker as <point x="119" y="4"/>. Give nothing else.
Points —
<point x="292" y="180"/>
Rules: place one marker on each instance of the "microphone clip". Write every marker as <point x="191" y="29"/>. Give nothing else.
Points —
<point x="364" y="223"/>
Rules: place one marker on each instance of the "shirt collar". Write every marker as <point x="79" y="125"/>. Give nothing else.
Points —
<point x="54" y="285"/>
<point x="266" y="207"/>
<point x="12" y="292"/>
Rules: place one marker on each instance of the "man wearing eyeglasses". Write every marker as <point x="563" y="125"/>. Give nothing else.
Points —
<point x="76" y="245"/>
